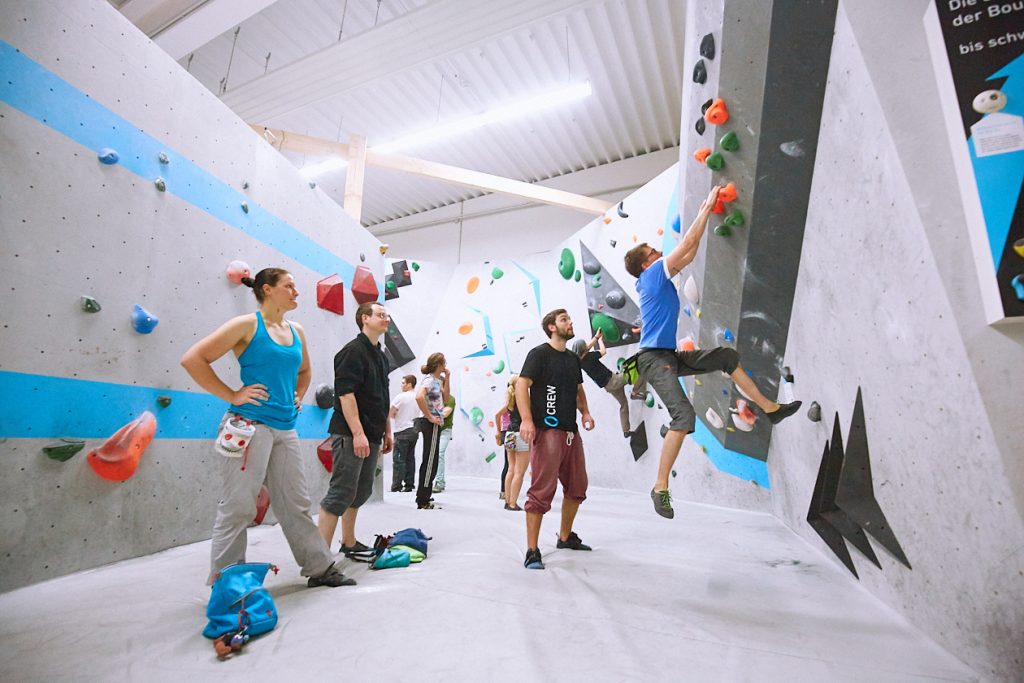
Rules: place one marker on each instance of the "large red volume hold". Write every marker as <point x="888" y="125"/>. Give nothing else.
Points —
<point x="330" y="294"/>
<point x="364" y="287"/>
<point x="118" y="457"/>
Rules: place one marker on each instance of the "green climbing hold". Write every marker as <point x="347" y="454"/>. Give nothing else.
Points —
<point x="161" y="184"/>
<point x="723" y="231"/>
<point x="476" y="416"/>
<point x="499" y="368"/>
<point x="729" y="142"/>
<point x="600" y="321"/>
<point x="619" y="364"/>
<point x="163" y="401"/>
<point x="577" y="276"/>
<point x="715" y="161"/>
<point x="64" y="449"/>
<point x="496" y="273"/>
<point x="245" y="207"/>
<point x="415" y="266"/>
<point x="733" y="219"/>
<point x="649" y="401"/>
<point x="595" y="281"/>
<point x="90" y="305"/>
<point x="391" y="286"/>
<point x="164" y="159"/>
<point x="567" y="264"/>
<point x="490" y="456"/>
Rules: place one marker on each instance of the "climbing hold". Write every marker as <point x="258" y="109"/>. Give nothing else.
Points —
<point x="723" y="231"/>
<point x="383" y="249"/>
<point x="362" y="257"/>
<point x="476" y="416"/>
<point x="63" y="450"/>
<point x="595" y="281"/>
<point x="496" y="273"/>
<point x="702" y="154"/>
<point x="142" y="320"/>
<point x="607" y="220"/>
<point x="465" y="328"/>
<point x="90" y="305"/>
<point x="1018" y="286"/>
<point x="324" y="396"/>
<point x="245" y="184"/>
<point x="707" y="46"/>
<point x="649" y="400"/>
<point x="690" y="290"/>
<point x="989" y="102"/>
<point x="727" y="336"/>
<point x="714" y="161"/>
<point x="163" y="158"/>
<point x="700" y="72"/>
<point x="714" y="419"/>
<point x="415" y="266"/>
<point x="312" y="184"/>
<point x="499" y="368"/>
<point x="728" y="193"/>
<point x="663" y="431"/>
<point x="717" y="113"/>
<point x="675" y="224"/>
<point x="687" y="344"/>
<point x="814" y="412"/>
<point x="621" y="211"/>
<point x="591" y="266"/>
<point x="118" y="457"/>
<point x="330" y="294"/>
<point x="262" y="505"/>
<point x="607" y="326"/>
<point x="698" y="382"/>
<point x="612" y="243"/>
<point x="740" y="424"/>
<point x="236" y="270"/>
<point x="700" y="127"/>
<point x="707" y="105"/>
<point x="744" y="411"/>
<point x="577" y="276"/>
<point x="793" y="148"/>
<point x="729" y="142"/>
<point x="734" y="219"/>
<point x="160" y="184"/>
<point x="615" y="299"/>
<point x="697" y="313"/>
<point x="686" y="310"/>
<point x="107" y="156"/>
<point x="472" y="284"/>
<point x="566" y="263"/>
<point x="673" y="473"/>
<point x="787" y="374"/>
<point x="163" y="401"/>
<point x="325" y="454"/>
<point x="718" y="208"/>
<point x="364" y="287"/>
<point x="245" y="207"/>
<point x="389" y="285"/>
<point x="490" y="456"/>
<point x="1018" y="247"/>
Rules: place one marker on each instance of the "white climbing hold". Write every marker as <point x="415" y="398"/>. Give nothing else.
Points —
<point x="690" y="290"/>
<point x="741" y="424"/>
<point x="714" y="419"/>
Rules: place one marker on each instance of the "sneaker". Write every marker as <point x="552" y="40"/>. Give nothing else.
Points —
<point x="428" y="506"/>
<point x="513" y="509"/>
<point x="501" y="496"/>
<point x="784" y="411"/>
<point x="407" y="489"/>
<point x="357" y="551"/>
<point x="533" y="559"/>
<point x="396" y="489"/>
<point x="663" y="503"/>
<point x="572" y="543"/>
<point x="332" y="578"/>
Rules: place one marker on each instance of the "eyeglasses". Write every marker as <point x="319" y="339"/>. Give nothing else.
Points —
<point x="382" y="315"/>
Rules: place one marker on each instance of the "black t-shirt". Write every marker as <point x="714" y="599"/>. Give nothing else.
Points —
<point x="556" y="376"/>
<point x="361" y="368"/>
<point x="592" y="365"/>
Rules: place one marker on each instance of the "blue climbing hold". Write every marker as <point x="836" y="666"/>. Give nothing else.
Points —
<point x="107" y="156"/>
<point x="1018" y="286"/>
<point x="142" y="320"/>
<point x="687" y="311"/>
<point x="675" y="224"/>
<point x="728" y="336"/>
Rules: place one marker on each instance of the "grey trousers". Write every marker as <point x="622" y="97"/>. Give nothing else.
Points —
<point x="273" y="455"/>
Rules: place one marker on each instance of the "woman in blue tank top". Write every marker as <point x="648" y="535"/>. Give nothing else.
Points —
<point x="275" y="374"/>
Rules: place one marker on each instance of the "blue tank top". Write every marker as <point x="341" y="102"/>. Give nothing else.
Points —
<point x="266" y="362"/>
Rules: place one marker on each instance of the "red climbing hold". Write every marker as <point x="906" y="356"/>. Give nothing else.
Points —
<point x="262" y="504"/>
<point x="330" y="294"/>
<point x="719" y="207"/>
<point x="727" y="193"/>
<point x="117" y="459"/>
<point x="326" y="454"/>
<point x="702" y="154"/>
<point x="364" y="288"/>
<point x="717" y="114"/>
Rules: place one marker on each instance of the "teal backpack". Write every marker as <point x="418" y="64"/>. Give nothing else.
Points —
<point x="239" y="604"/>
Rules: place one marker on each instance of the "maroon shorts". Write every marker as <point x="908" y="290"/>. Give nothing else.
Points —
<point x="556" y="456"/>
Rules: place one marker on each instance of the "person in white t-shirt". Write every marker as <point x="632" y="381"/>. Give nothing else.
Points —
<point x="404" y="410"/>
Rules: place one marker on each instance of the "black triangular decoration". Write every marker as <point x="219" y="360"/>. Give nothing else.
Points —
<point x="638" y="441"/>
<point x="403" y="277"/>
<point x="833" y="539"/>
<point x="395" y="348"/>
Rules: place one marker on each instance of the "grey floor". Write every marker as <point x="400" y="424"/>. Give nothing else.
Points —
<point x="714" y="595"/>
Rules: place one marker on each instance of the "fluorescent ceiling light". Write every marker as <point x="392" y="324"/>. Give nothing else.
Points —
<point x="442" y="131"/>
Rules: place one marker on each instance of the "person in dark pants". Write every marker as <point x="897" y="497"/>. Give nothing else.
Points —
<point x="612" y="382"/>
<point x="360" y="429"/>
<point x="431" y="394"/>
<point x="404" y="410"/>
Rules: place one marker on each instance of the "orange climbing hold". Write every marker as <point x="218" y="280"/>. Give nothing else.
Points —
<point x="727" y="193"/>
<point x="687" y="344"/>
<point x="719" y="207"/>
<point x="118" y="457"/>
<point x="607" y="220"/>
<point x="465" y="328"/>
<point x="717" y="114"/>
<point x="473" y="283"/>
<point x="744" y="412"/>
<point x="702" y="154"/>
<point x="262" y="505"/>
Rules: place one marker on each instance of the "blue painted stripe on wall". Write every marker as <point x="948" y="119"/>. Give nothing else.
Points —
<point x="30" y="88"/>
<point x="45" y="407"/>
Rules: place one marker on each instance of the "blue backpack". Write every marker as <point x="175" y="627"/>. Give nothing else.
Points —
<point x="414" y="538"/>
<point x="239" y="603"/>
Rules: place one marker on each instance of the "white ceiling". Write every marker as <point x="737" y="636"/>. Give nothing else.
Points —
<point x="383" y="69"/>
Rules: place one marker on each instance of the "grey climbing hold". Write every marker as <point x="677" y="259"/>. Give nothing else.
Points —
<point x="312" y="185"/>
<point x="245" y="207"/>
<point x="161" y="184"/>
<point x="90" y="305"/>
<point x="163" y="401"/>
<point x="814" y="412"/>
<point x="621" y="211"/>
<point x="700" y="126"/>
<point x="793" y="148"/>
<point x="163" y="158"/>
<point x="591" y="266"/>
<point x="63" y="450"/>
<point x="700" y="72"/>
<point x="325" y="396"/>
<point x="615" y="299"/>
<point x="707" y="46"/>
<point x="107" y="156"/>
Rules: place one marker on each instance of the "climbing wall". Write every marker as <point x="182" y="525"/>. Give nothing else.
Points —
<point x="126" y="182"/>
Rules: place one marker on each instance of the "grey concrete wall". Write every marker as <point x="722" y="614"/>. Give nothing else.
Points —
<point x="71" y="226"/>
<point x="887" y="301"/>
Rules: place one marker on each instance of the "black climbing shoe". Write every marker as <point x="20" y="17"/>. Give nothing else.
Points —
<point x="359" y="551"/>
<point x="332" y="578"/>
<point x="784" y="411"/>
<point x="572" y="543"/>
<point x="533" y="559"/>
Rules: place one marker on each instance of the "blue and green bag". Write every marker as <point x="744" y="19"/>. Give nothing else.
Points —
<point x="239" y="603"/>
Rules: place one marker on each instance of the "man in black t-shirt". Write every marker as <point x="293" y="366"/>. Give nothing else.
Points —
<point x="548" y="393"/>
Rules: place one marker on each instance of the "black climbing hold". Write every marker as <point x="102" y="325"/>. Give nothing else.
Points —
<point x="673" y="473"/>
<point x="787" y="374"/>
<point x="90" y="305"/>
<point x="245" y="184"/>
<point x="704" y="107"/>
<point x="312" y="185"/>
<point x="814" y="412"/>
<point x="325" y="396"/>
<point x="612" y="243"/>
<point x="707" y="46"/>
<point x="700" y="72"/>
<point x="245" y="207"/>
<point x="63" y="450"/>
<point x="163" y="158"/>
<point x="663" y="431"/>
<point x="163" y="401"/>
<point x="160" y="184"/>
<point x="621" y="211"/>
<point x="362" y="256"/>
<point x="700" y="126"/>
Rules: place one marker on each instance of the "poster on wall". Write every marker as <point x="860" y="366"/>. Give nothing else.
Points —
<point x="977" y="49"/>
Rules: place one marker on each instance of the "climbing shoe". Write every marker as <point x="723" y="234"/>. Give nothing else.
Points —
<point x="784" y="411"/>
<point x="332" y="578"/>
<point x="533" y="559"/>
<point x="359" y="551"/>
<point x="572" y="543"/>
<point x="663" y="503"/>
